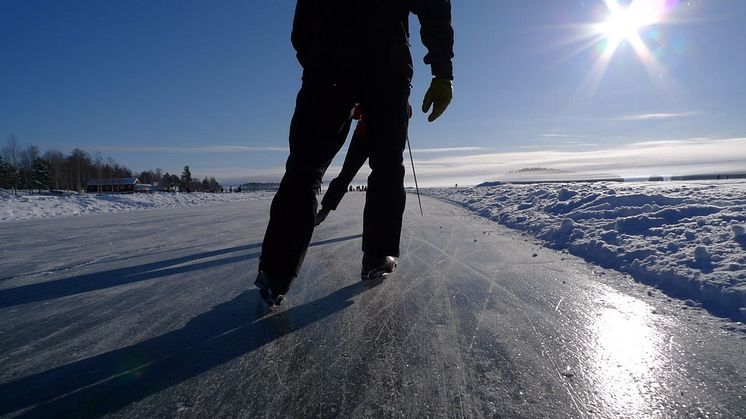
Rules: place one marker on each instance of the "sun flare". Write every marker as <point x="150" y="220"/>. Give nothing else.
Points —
<point x="622" y="23"/>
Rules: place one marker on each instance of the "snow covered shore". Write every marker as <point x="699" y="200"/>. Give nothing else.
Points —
<point x="686" y="238"/>
<point x="15" y="208"/>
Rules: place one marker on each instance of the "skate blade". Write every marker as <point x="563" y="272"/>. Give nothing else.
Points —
<point x="376" y="275"/>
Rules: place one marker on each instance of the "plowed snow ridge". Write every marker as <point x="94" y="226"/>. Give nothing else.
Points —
<point x="687" y="238"/>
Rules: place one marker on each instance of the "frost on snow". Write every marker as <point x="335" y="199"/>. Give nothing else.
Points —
<point x="22" y="207"/>
<point x="687" y="238"/>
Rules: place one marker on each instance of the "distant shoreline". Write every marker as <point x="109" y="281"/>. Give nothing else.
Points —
<point x="710" y="176"/>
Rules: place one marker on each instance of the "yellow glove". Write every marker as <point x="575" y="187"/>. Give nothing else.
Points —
<point x="439" y="96"/>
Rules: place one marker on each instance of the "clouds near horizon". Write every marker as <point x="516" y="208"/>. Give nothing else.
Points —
<point x="637" y="159"/>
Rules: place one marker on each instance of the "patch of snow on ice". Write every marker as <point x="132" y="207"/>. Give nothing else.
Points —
<point x="22" y="207"/>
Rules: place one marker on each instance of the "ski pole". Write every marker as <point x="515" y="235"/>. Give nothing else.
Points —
<point x="417" y="188"/>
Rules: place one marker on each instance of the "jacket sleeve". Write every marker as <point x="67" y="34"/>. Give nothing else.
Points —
<point x="302" y="35"/>
<point x="437" y="35"/>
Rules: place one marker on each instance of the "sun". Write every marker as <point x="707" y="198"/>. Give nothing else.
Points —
<point x="624" y="23"/>
<point x="621" y="25"/>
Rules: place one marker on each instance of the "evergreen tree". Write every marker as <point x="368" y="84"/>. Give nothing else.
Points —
<point x="174" y="181"/>
<point x="41" y="178"/>
<point x="3" y="169"/>
<point x="186" y="179"/>
<point x="195" y="186"/>
<point x="5" y="174"/>
<point x="214" y="185"/>
<point x="13" y="178"/>
<point x="166" y="183"/>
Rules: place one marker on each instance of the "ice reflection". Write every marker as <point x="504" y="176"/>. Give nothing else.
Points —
<point x="626" y="358"/>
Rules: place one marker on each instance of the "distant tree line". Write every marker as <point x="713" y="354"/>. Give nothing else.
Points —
<point x="533" y="169"/>
<point x="184" y="183"/>
<point x="26" y="168"/>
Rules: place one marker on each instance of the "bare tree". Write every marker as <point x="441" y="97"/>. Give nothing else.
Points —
<point x="99" y="169"/>
<point x="27" y="156"/>
<point x="80" y="163"/>
<point x="10" y="151"/>
<point x="158" y="177"/>
<point x="10" y="155"/>
<point x="56" y="161"/>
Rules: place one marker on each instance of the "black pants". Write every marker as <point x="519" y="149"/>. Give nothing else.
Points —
<point x="317" y="132"/>
<point x="354" y="160"/>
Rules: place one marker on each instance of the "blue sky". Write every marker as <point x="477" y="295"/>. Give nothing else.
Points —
<point x="212" y="84"/>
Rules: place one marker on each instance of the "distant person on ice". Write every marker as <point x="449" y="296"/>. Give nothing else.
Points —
<point x="354" y="160"/>
<point x="353" y="51"/>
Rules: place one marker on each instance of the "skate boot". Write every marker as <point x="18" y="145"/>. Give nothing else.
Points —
<point x="271" y="298"/>
<point x="376" y="267"/>
<point x="321" y="216"/>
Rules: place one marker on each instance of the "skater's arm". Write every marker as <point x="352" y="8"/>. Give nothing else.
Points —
<point x="302" y="34"/>
<point x="437" y="35"/>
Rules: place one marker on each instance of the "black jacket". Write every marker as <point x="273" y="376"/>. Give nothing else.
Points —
<point x="334" y="35"/>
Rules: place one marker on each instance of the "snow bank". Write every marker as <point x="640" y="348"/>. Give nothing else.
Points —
<point x="687" y="238"/>
<point x="14" y="208"/>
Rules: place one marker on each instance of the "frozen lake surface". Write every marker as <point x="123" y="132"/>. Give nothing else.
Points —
<point x="152" y="314"/>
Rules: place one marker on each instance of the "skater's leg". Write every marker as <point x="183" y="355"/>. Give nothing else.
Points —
<point x="387" y="123"/>
<point x="354" y="160"/>
<point x="322" y="114"/>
